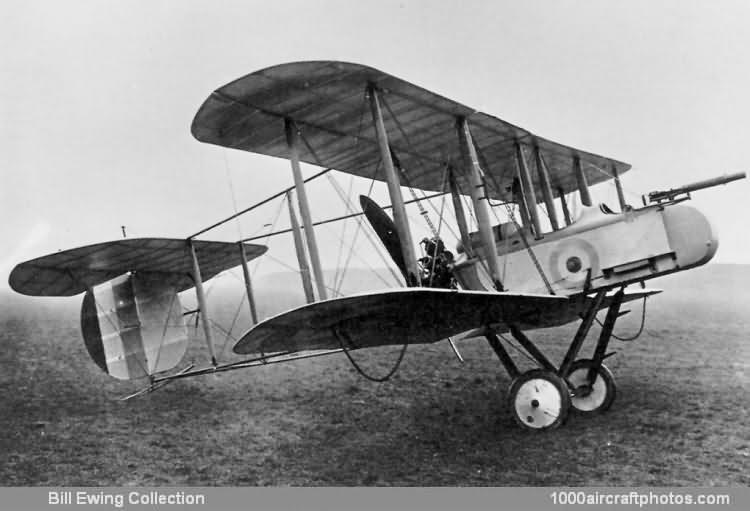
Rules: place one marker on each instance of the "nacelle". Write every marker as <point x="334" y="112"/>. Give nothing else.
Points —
<point x="600" y="250"/>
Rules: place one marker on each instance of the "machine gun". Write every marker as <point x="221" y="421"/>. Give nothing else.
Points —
<point x="673" y="194"/>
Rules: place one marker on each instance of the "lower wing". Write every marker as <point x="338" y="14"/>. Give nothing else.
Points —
<point x="415" y="315"/>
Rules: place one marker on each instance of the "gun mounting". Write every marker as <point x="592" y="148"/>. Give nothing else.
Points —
<point x="673" y="194"/>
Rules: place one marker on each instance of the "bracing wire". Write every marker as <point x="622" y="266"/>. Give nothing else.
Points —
<point x="354" y="240"/>
<point x="611" y="176"/>
<point x="361" y="226"/>
<point x="164" y="330"/>
<point x="244" y="295"/>
<point x="522" y="235"/>
<point x="422" y="210"/>
<point x="360" y="223"/>
<point x="268" y="236"/>
<point x="231" y="327"/>
<point x="343" y="236"/>
<point x="232" y="194"/>
<point x="440" y="225"/>
<point x="518" y="349"/>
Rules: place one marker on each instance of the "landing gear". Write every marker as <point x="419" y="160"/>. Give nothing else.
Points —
<point x="539" y="400"/>
<point x="593" y="388"/>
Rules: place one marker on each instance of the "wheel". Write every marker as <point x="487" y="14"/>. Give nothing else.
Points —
<point x="539" y="400"/>
<point x="588" y="398"/>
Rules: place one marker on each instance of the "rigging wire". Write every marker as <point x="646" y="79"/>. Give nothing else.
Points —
<point x="343" y="236"/>
<point x="612" y="177"/>
<point x="272" y="225"/>
<point x="352" y="252"/>
<point x="360" y="227"/>
<point x="521" y="234"/>
<point x="532" y="255"/>
<point x="518" y="349"/>
<point x="231" y="327"/>
<point x="241" y="235"/>
<point x="374" y="271"/>
<point x="422" y="211"/>
<point x="256" y="205"/>
<point x="469" y="250"/>
<point x="434" y="256"/>
<point x="354" y="238"/>
<point x="377" y="168"/>
<point x="164" y="331"/>
<point x="231" y="193"/>
<point x="253" y="273"/>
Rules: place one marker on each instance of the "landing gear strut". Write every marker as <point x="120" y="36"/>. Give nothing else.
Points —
<point x="540" y="399"/>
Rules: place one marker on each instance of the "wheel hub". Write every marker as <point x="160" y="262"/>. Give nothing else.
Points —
<point x="538" y="403"/>
<point x="588" y="396"/>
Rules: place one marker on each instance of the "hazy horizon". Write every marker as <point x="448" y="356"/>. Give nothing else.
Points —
<point x="98" y="96"/>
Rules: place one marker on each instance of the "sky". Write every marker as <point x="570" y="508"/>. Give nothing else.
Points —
<point x="97" y="97"/>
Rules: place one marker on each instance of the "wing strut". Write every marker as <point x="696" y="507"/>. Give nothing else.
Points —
<point x="478" y="193"/>
<point x="564" y="203"/>
<point x="201" y="295"/>
<point x="549" y="200"/>
<point x="460" y="214"/>
<point x="248" y="284"/>
<point x="618" y="185"/>
<point x="299" y="247"/>
<point x="394" y="190"/>
<point x="292" y="137"/>
<point x="527" y="186"/>
<point x="583" y="185"/>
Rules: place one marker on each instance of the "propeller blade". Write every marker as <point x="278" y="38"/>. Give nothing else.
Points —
<point x="386" y="231"/>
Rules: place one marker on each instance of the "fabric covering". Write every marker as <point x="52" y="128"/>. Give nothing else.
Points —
<point x="70" y="272"/>
<point x="415" y="315"/>
<point x="329" y="105"/>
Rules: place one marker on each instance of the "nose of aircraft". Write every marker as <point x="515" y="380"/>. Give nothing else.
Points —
<point x="691" y="235"/>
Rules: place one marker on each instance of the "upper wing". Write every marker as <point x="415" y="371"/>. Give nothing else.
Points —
<point x="415" y="315"/>
<point x="327" y="100"/>
<point x="70" y="272"/>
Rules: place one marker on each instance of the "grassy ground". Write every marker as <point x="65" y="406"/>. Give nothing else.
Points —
<point x="680" y="418"/>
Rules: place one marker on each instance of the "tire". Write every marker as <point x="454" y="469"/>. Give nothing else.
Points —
<point x="591" y="399"/>
<point x="539" y="400"/>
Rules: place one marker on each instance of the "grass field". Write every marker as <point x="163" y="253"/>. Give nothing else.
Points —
<point x="680" y="418"/>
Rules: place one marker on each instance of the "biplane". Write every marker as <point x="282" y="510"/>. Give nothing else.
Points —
<point x="539" y="267"/>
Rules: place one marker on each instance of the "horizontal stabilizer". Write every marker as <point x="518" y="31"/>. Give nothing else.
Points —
<point x="70" y="272"/>
<point x="415" y="315"/>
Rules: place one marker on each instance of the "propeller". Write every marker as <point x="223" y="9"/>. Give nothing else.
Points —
<point x="386" y="231"/>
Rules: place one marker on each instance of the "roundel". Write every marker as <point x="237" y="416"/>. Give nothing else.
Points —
<point x="571" y="260"/>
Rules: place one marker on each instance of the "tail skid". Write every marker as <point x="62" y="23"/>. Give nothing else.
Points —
<point x="154" y="386"/>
